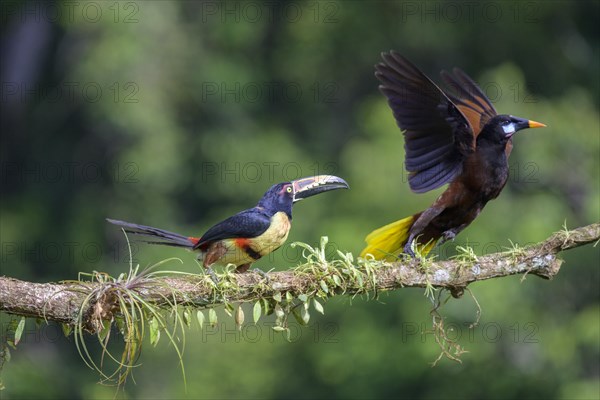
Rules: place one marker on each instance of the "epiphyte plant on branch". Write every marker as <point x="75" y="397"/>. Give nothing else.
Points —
<point x="152" y="304"/>
<point x="454" y="137"/>
<point x="250" y="234"/>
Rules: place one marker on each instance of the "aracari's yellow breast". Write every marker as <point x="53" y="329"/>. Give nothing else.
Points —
<point x="274" y="236"/>
<point x="269" y="241"/>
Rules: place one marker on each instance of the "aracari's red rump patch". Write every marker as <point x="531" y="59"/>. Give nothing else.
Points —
<point x="242" y="243"/>
<point x="194" y="240"/>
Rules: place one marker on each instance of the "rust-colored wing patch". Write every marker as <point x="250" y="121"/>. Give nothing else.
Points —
<point x="469" y="99"/>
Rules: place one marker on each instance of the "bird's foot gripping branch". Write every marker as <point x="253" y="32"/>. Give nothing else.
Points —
<point x="153" y="305"/>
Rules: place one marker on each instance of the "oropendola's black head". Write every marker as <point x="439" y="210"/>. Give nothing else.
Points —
<point x="500" y="129"/>
<point x="282" y="196"/>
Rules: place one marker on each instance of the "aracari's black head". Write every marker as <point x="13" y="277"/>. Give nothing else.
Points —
<point x="279" y="197"/>
<point x="282" y="196"/>
<point x="499" y="130"/>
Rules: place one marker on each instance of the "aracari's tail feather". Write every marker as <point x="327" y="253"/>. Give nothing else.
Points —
<point x="387" y="242"/>
<point x="167" y="238"/>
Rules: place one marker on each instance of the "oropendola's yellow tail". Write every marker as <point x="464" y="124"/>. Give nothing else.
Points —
<point x="387" y="242"/>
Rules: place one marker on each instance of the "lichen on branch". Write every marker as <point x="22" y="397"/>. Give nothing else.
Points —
<point x="145" y="303"/>
<point x="318" y="276"/>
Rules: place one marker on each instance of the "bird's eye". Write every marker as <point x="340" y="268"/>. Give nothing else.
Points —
<point x="289" y="189"/>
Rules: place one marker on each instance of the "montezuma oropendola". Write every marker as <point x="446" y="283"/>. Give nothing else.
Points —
<point x="250" y="234"/>
<point x="452" y="137"/>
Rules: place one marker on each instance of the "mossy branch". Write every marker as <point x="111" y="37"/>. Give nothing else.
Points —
<point x="62" y="302"/>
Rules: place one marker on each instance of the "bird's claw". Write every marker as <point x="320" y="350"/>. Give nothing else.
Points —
<point x="408" y="249"/>
<point x="262" y="273"/>
<point x="210" y="272"/>
<point x="448" y="235"/>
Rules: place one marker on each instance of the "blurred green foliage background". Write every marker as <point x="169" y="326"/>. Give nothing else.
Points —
<point x="178" y="114"/>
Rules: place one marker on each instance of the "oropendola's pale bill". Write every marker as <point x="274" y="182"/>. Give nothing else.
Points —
<point x="250" y="234"/>
<point x="454" y="137"/>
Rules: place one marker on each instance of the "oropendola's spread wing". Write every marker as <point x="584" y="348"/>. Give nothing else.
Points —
<point x="438" y="137"/>
<point x="246" y="224"/>
<point x="469" y="99"/>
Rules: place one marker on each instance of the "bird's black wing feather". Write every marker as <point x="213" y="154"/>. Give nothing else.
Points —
<point x="469" y="98"/>
<point x="437" y="135"/>
<point x="246" y="224"/>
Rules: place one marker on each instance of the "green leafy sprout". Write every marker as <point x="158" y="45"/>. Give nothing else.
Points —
<point x="120" y="305"/>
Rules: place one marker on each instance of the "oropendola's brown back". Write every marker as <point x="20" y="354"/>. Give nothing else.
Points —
<point x="452" y="137"/>
<point x="250" y="234"/>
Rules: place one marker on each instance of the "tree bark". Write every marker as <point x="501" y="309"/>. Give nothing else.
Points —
<point x="62" y="301"/>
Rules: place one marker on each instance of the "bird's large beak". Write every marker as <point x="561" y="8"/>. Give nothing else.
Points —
<point x="533" y="124"/>
<point x="522" y="123"/>
<point x="306" y="187"/>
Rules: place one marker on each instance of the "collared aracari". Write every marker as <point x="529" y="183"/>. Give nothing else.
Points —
<point x="454" y="137"/>
<point x="250" y="234"/>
